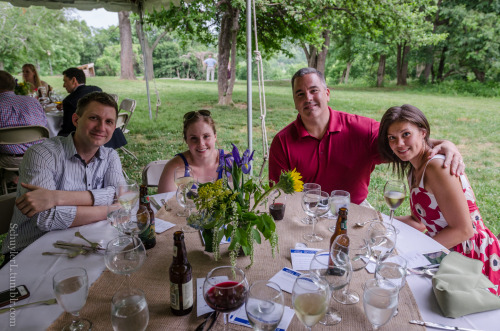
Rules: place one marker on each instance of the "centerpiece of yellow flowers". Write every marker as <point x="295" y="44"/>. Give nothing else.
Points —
<point x="229" y="207"/>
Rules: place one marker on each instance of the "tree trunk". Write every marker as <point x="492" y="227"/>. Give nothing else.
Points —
<point x="442" y="61"/>
<point x="428" y="64"/>
<point x="402" y="63"/>
<point x="126" y="53"/>
<point x="480" y="75"/>
<point x="227" y="49"/>
<point x="381" y="70"/>
<point x="347" y="70"/>
<point x="317" y="59"/>
<point x="148" y="50"/>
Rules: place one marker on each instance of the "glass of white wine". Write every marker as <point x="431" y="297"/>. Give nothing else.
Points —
<point x="310" y="298"/>
<point x="127" y="193"/>
<point x="380" y="300"/>
<point x="394" y="195"/>
<point x="71" y="288"/>
<point x="183" y="176"/>
<point x="264" y="305"/>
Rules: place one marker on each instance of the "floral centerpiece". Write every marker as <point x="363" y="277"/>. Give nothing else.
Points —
<point x="22" y="88"/>
<point x="228" y="207"/>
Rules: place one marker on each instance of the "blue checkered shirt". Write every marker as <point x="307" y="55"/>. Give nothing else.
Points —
<point x="19" y="110"/>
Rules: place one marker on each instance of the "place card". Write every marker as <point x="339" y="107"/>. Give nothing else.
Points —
<point x="162" y="226"/>
<point x="285" y="278"/>
<point x="239" y="317"/>
<point x="201" y="306"/>
<point x="301" y="258"/>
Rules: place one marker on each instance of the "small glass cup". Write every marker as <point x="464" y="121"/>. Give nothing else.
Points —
<point x="277" y="207"/>
<point x="129" y="310"/>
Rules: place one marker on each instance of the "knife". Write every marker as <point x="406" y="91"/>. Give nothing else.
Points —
<point x="155" y="203"/>
<point x="441" y="326"/>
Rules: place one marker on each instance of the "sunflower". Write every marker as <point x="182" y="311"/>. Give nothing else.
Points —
<point x="290" y="182"/>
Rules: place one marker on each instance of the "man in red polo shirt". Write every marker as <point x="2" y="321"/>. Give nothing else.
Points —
<point x="334" y="149"/>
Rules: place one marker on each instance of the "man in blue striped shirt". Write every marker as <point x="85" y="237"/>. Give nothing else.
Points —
<point x="67" y="181"/>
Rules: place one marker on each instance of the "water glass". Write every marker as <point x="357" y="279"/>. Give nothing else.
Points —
<point x="315" y="203"/>
<point x="124" y="255"/>
<point x="380" y="300"/>
<point x="382" y="240"/>
<point x="338" y="199"/>
<point x="129" y="310"/>
<point x="71" y="288"/>
<point x="264" y="305"/>
<point x="305" y="188"/>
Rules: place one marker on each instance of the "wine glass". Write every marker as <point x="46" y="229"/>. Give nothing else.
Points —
<point x="336" y="269"/>
<point x="124" y="255"/>
<point x="382" y="240"/>
<point x="264" y="305"/>
<point x="380" y="300"/>
<point x="359" y="253"/>
<point x="129" y="310"/>
<point x="310" y="298"/>
<point x="307" y="187"/>
<point x="338" y="199"/>
<point x="393" y="269"/>
<point x="71" y="288"/>
<point x="394" y="195"/>
<point x="135" y="221"/>
<point x="127" y="193"/>
<point x="185" y="195"/>
<point x="183" y="176"/>
<point x="225" y="290"/>
<point x="315" y="203"/>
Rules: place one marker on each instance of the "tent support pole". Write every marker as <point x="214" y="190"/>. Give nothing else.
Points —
<point x="249" y="74"/>
<point x="143" y="42"/>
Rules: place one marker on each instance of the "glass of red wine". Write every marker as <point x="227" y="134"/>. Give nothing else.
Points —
<point x="277" y="206"/>
<point x="225" y="290"/>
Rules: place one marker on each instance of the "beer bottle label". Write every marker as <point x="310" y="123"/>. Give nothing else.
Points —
<point x="187" y="294"/>
<point x="175" y="251"/>
<point x="343" y="225"/>
<point x="174" y="296"/>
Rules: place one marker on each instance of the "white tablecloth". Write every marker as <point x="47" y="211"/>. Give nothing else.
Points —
<point x="35" y="270"/>
<point x="411" y="240"/>
<point x="54" y="122"/>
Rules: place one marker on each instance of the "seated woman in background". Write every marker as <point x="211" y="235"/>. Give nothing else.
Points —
<point x="441" y="203"/>
<point x="30" y="75"/>
<point x="202" y="155"/>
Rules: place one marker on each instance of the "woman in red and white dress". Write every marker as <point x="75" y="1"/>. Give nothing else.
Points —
<point x="442" y="205"/>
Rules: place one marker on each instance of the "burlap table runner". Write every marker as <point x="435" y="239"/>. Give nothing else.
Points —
<point x="153" y="277"/>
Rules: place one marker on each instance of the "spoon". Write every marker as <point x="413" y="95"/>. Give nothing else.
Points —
<point x="92" y="244"/>
<point x="44" y="302"/>
<point x="361" y="224"/>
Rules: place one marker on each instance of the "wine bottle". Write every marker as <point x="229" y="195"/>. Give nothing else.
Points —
<point x="181" y="278"/>
<point x="148" y="237"/>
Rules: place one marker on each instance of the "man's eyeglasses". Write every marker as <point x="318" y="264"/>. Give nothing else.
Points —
<point x="191" y="114"/>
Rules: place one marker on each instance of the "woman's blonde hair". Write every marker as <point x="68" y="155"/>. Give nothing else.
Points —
<point x="36" y="77"/>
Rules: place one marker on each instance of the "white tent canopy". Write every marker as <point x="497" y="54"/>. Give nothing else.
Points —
<point x="109" y="5"/>
<point x="139" y="6"/>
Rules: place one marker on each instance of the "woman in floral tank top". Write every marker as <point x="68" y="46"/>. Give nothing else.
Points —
<point x="441" y="204"/>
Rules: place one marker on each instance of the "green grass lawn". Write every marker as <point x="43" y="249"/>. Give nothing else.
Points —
<point x="470" y="122"/>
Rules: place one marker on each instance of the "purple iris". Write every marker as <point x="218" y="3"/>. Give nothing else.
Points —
<point x="247" y="157"/>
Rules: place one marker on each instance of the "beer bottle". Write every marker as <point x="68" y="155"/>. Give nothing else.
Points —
<point x="181" y="278"/>
<point x="148" y="237"/>
<point x="340" y="228"/>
